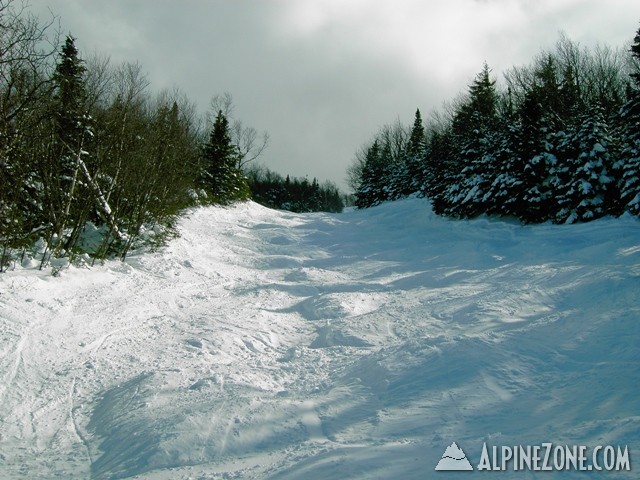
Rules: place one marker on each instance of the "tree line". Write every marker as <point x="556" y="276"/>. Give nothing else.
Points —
<point x="85" y="143"/>
<point x="558" y="141"/>
<point x="88" y="150"/>
<point x="294" y="194"/>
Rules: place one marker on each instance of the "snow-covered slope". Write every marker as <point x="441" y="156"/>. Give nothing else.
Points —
<point x="269" y="345"/>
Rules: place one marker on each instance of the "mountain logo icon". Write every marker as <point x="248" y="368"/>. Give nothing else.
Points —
<point x="454" y="459"/>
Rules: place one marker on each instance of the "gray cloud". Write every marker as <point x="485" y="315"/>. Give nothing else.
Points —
<point x="322" y="75"/>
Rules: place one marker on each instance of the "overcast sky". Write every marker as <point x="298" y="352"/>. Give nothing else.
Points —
<point x="321" y="76"/>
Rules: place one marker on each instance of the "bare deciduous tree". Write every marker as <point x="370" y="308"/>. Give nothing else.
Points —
<point x="249" y="143"/>
<point x="26" y="53"/>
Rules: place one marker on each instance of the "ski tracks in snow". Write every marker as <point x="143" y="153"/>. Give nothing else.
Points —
<point x="265" y="344"/>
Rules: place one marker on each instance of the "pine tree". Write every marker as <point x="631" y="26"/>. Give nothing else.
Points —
<point x="570" y="103"/>
<point x="546" y="91"/>
<point x="67" y="195"/>
<point x="223" y="176"/>
<point x="629" y="161"/>
<point x="475" y="125"/>
<point x="590" y="190"/>
<point x="371" y="189"/>
<point x="417" y="138"/>
<point x="470" y="196"/>
<point x="537" y="135"/>
<point x="441" y="167"/>
<point x="479" y="110"/>
<point x="415" y="158"/>
<point x="635" y="51"/>
<point x="70" y="96"/>
<point x="506" y="187"/>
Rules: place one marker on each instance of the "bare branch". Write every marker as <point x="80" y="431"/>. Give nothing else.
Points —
<point x="248" y="142"/>
<point x="221" y="103"/>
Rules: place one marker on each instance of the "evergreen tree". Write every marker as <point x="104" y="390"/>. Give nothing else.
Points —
<point x="417" y="139"/>
<point x="478" y="111"/>
<point x="415" y="158"/>
<point x="570" y="103"/>
<point x="590" y="189"/>
<point x="70" y="96"/>
<point x="542" y="152"/>
<point x="630" y="155"/>
<point x="546" y="91"/>
<point x="441" y="166"/>
<point x="635" y="51"/>
<point x="504" y="191"/>
<point x="222" y="175"/>
<point x="470" y="194"/>
<point x="67" y="195"/>
<point x="536" y="166"/>
<point x="398" y="179"/>
<point x="372" y="183"/>
<point x="475" y="125"/>
<point x="629" y="161"/>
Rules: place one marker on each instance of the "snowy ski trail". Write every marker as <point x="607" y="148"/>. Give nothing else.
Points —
<point x="269" y="345"/>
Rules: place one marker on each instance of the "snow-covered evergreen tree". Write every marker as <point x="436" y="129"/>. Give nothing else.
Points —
<point x="441" y="167"/>
<point x="415" y="157"/>
<point x="474" y="126"/>
<point x="538" y="136"/>
<point x="222" y="175"/>
<point x="629" y="161"/>
<point x="589" y="192"/>
<point x="372" y="184"/>
<point x="70" y="94"/>
<point x="470" y="194"/>
<point x="398" y="179"/>
<point x="68" y="195"/>
<point x="630" y="155"/>
<point x="507" y="185"/>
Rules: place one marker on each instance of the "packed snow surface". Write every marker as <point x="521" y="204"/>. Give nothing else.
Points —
<point x="270" y="345"/>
